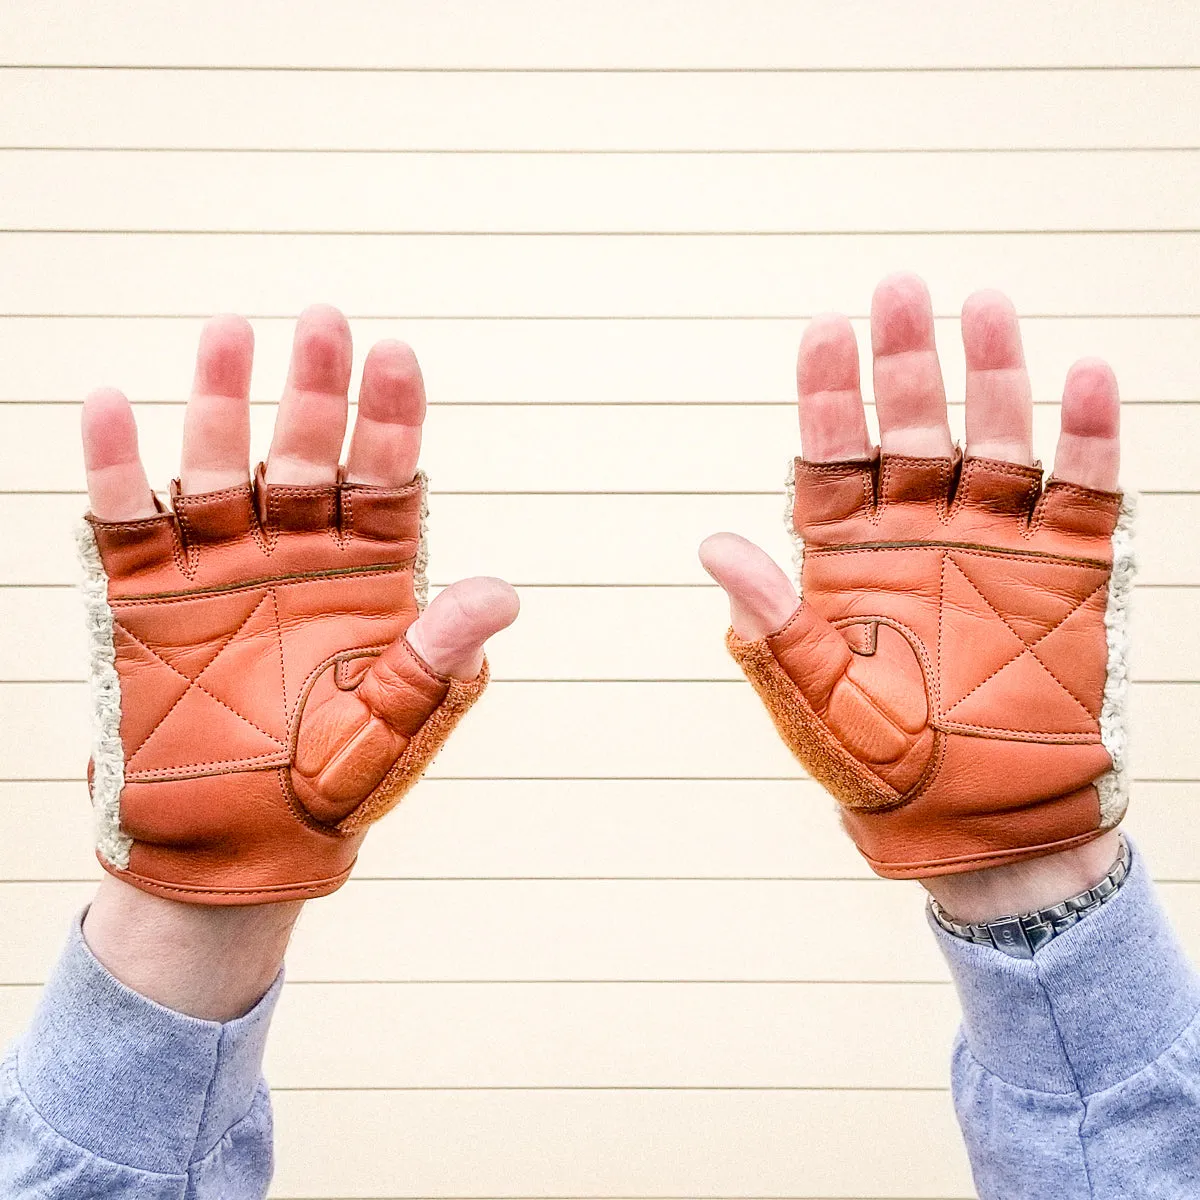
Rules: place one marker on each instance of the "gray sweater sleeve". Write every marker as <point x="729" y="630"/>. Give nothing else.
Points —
<point x="110" y="1095"/>
<point x="1076" y="1074"/>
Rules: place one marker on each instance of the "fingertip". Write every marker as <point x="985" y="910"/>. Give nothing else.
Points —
<point x="491" y="603"/>
<point x="1091" y="399"/>
<point x="225" y="357"/>
<point x="901" y="314"/>
<point x="1089" y="445"/>
<point x="720" y="548"/>
<point x="450" y="634"/>
<point x="761" y="597"/>
<point x="991" y="332"/>
<point x="232" y="326"/>
<point x="117" y="486"/>
<point x="326" y="315"/>
<point x="828" y="355"/>
<point x="393" y="388"/>
<point x="109" y="429"/>
<point x="322" y="353"/>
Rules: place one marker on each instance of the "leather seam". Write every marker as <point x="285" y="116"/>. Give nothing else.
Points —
<point x="195" y="683"/>
<point x="282" y="668"/>
<point x="296" y="806"/>
<point x="229" y="766"/>
<point x="963" y="548"/>
<point x="252" y="584"/>
<point x="1002" y="856"/>
<point x="248" y="891"/>
<point x="1027" y="648"/>
<point x="997" y="734"/>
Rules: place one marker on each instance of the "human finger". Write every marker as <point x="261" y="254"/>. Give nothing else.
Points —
<point x="311" y="423"/>
<point x="216" y="423"/>
<point x="833" y="424"/>
<point x="761" y="597"/>
<point x="450" y="634"/>
<point x="117" y="486"/>
<point x="1089" y="445"/>
<point x="910" y="397"/>
<point x="999" y="397"/>
<point x="386" y="441"/>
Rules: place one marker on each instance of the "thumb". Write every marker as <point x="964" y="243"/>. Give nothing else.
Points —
<point x="762" y="602"/>
<point x="761" y="597"/>
<point x="449" y="635"/>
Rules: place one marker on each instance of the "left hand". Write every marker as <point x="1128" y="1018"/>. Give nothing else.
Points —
<point x="911" y="407"/>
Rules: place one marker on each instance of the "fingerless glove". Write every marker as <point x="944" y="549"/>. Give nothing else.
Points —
<point x="956" y="672"/>
<point x="257" y="705"/>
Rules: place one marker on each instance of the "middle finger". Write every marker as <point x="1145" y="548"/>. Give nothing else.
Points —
<point x="910" y="398"/>
<point x="311" y="424"/>
<point x="999" y="397"/>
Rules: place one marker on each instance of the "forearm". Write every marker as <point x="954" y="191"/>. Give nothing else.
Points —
<point x="140" y="1074"/>
<point x="209" y="962"/>
<point x="1077" y="1072"/>
<point x="980" y="896"/>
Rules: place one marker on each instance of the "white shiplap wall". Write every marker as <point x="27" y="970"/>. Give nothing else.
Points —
<point x="603" y="951"/>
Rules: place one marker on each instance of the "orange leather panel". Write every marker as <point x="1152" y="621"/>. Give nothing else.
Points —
<point x="270" y="706"/>
<point x="952" y="702"/>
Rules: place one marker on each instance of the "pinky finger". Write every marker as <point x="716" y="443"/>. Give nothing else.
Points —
<point x="1089" y="446"/>
<point x="117" y="486"/>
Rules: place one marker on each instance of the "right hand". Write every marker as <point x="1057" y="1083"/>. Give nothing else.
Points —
<point x="265" y="718"/>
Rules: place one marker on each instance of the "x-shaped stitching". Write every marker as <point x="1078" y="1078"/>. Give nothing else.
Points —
<point x="195" y="683"/>
<point x="1027" y="647"/>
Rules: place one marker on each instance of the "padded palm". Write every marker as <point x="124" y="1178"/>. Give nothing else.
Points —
<point x="949" y="670"/>
<point x="270" y="707"/>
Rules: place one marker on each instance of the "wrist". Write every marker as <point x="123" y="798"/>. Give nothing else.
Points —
<point x="214" y="963"/>
<point x="977" y="897"/>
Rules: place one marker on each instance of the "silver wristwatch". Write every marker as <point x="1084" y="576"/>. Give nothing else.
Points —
<point x="1024" y="934"/>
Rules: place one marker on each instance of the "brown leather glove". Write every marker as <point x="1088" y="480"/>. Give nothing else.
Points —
<point x="956" y="672"/>
<point x="257" y="705"/>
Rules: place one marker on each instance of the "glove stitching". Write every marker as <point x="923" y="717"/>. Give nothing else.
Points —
<point x="229" y="766"/>
<point x="195" y="683"/>
<point x="191" y="562"/>
<point x="917" y="646"/>
<point x="266" y="581"/>
<point x="295" y="805"/>
<point x="178" y="553"/>
<point x="130" y="526"/>
<point x="973" y="548"/>
<point x="279" y="637"/>
<point x="937" y="686"/>
<point x="1031" y="475"/>
<point x="1027" y="648"/>
<point x="1110" y="501"/>
<point x="291" y="889"/>
<point x="944" y="468"/>
<point x="994" y="859"/>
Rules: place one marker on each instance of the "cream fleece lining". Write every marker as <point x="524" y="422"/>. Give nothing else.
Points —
<point x="421" y="562"/>
<point x="1114" y="786"/>
<point x="108" y="754"/>
<point x="789" y="521"/>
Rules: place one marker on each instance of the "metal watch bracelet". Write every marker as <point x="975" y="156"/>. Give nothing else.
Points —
<point x="1024" y="934"/>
